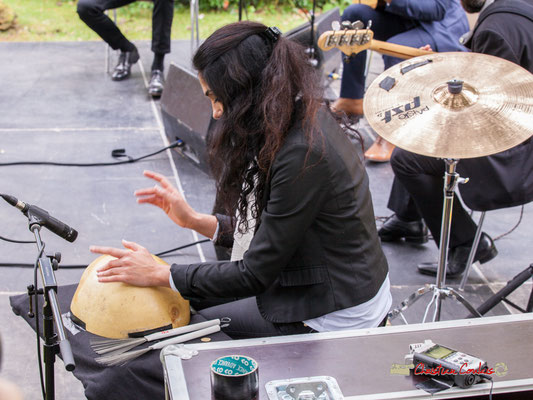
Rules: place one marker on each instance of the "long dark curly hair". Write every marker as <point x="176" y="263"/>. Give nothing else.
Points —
<point x="265" y="86"/>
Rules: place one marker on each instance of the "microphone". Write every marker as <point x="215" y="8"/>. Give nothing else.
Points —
<point x="44" y="218"/>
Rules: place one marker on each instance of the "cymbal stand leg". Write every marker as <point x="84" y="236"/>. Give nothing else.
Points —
<point x="433" y="298"/>
<point x="409" y="301"/>
<point x="459" y="297"/>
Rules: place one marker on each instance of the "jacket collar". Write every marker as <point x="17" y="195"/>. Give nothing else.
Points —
<point x="465" y="40"/>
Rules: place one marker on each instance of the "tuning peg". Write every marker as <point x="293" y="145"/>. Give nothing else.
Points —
<point x="336" y="25"/>
<point x="346" y="25"/>
<point x="358" y="25"/>
<point x="369" y="24"/>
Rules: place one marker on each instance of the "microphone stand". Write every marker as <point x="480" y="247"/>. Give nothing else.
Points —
<point x="51" y="312"/>
<point x="312" y="22"/>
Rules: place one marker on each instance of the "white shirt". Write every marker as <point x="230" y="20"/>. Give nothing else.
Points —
<point x="365" y="315"/>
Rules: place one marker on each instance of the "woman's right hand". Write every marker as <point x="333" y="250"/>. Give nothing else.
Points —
<point x="168" y="198"/>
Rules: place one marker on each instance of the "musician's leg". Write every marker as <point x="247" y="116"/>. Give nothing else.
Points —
<point x="92" y="13"/>
<point x="247" y="322"/>
<point x="162" y="17"/>
<point x="401" y="202"/>
<point x="416" y="37"/>
<point x="384" y="25"/>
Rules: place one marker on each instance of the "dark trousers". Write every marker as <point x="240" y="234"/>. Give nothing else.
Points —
<point x="386" y="26"/>
<point x="92" y="13"/>
<point x="417" y="192"/>
<point x="245" y="320"/>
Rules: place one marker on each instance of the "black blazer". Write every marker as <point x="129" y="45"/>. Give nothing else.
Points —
<point x="316" y="249"/>
<point x="504" y="29"/>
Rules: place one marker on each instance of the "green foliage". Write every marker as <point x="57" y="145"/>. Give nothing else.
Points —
<point x="57" y="20"/>
<point x="267" y="5"/>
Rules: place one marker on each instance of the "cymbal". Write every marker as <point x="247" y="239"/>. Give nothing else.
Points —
<point x="411" y="106"/>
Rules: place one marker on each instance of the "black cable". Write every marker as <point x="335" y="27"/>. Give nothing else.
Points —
<point x="36" y="294"/>
<point x="81" y="266"/>
<point x="488" y="377"/>
<point x="514" y="227"/>
<point x="16" y="241"/>
<point x="182" y="247"/>
<point x="176" y="143"/>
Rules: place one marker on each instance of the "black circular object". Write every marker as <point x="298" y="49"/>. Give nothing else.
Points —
<point x="234" y="377"/>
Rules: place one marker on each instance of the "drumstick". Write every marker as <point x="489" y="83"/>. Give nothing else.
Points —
<point x="119" y="346"/>
<point x="123" y="358"/>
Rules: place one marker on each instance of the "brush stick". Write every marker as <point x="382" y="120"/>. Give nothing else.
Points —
<point x="119" y="346"/>
<point x="123" y="358"/>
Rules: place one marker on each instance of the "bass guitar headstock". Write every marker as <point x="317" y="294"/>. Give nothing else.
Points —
<point x="350" y="38"/>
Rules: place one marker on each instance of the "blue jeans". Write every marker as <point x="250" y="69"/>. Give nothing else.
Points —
<point x="387" y="27"/>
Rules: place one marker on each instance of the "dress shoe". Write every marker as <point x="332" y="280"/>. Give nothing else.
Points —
<point x="125" y="61"/>
<point x="380" y="151"/>
<point x="155" y="88"/>
<point x="458" y="257"/>
<point x="396" y="229"/>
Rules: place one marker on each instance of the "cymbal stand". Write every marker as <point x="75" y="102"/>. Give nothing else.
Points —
<point x="195" y="25"/>
<point x="439" y="290"/>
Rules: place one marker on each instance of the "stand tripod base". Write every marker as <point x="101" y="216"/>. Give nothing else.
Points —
<point x="438" y="295"/>
<point x="484" y="308"/>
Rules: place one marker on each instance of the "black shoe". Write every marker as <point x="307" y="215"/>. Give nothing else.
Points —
<point x="125" y="61"/>
<point x="155" y="88"/>
<point x="458" y="257"/>
<point x="396" y="229"/>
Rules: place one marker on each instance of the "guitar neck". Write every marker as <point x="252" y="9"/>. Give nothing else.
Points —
<point x="397" y="50"/>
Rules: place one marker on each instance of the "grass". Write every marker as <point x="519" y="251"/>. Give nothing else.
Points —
<point x="57" y="20"/>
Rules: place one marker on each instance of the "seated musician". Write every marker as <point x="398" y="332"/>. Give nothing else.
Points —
<point x="285" y="168"/>
<point x="413" y="23"/>
<point x="92" y="12"/>
<point x="503" y="29"/>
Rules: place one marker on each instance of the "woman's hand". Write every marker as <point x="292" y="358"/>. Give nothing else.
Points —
<point x="169" y="199"/>
<point x="427" y="47"/>
<point x="133" y="265"/>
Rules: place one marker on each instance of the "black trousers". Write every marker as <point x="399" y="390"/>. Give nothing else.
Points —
<point x="92" y="13"/>
<point x="245" y="320"/>
<point x="417" y="192"/>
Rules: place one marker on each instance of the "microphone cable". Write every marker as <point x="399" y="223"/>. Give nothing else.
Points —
<point x="80" y="266"/>
<point x="16" y="241"/>
<point x="115" y="153"/>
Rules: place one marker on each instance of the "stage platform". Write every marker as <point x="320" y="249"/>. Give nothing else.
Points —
<point x="59" y="104"/>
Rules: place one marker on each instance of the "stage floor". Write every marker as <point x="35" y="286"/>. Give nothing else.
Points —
<point x="59" y="104"/>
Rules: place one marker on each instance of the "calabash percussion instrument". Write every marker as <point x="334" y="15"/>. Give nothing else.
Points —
<point x="117" y="310"/>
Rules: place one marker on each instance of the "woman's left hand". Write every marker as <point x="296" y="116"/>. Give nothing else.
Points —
<point x="133" y="265"/>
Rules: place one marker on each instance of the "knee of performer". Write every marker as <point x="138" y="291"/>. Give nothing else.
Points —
<point x="399" y="160"/>
<point x="357" y="12"/>
<point x="86" y="9"/>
